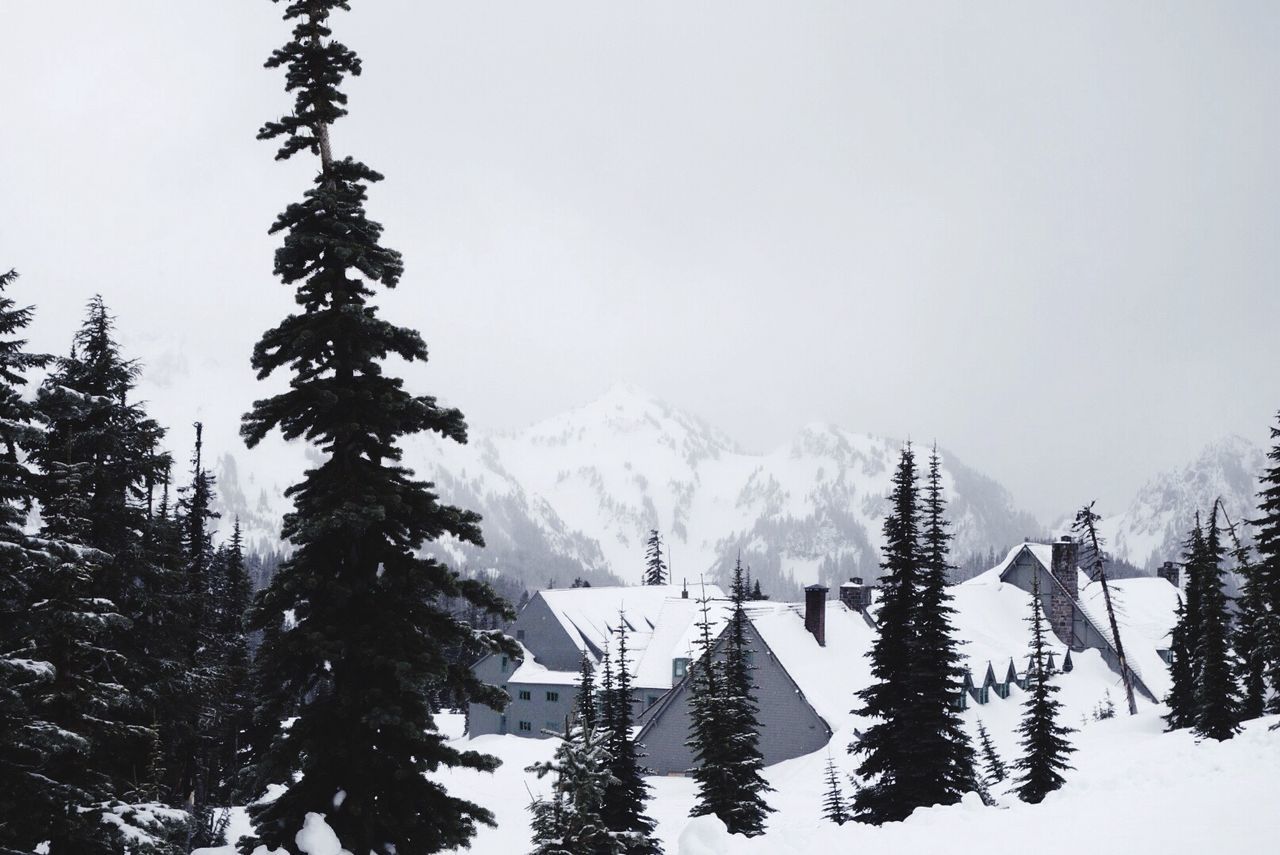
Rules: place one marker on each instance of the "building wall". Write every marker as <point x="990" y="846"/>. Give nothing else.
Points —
<point x="789" y="726"/>
<point x="538" y="629"/>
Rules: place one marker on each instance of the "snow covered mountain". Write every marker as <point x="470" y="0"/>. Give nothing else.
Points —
<point x="576" y="494"/>
<point x="1153" y="527"/>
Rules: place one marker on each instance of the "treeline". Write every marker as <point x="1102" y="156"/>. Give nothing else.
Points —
<point x="124" y="660"/>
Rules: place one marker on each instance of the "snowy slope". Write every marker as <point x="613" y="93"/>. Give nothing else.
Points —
<point x="576" y="494"/>
<point x="1151" y="530"/>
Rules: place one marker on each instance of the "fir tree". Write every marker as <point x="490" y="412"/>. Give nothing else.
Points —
<point x="889" y="769"/>
<point x="1044" y="741"/>
<point x="1249" y="638"/>
<point x="707" y="734"/>
<point x="1181" y="699"/>
<point x="586" y="701"/>
<point x="627" y="793"/>
<point x="1267" y="572"/>
<point x="27" y="796"/>
<point x="367" y="646"/>
<point x="945" y="766"/>
<point x="571" y="821"/>
<point x="757" y="594"/>
<point x="743" y="805"/>
<point x="1217" y="710"/>
<point x="995" y="768"/>
<point x="655" y="569"/>
<point x="833" y="803"/>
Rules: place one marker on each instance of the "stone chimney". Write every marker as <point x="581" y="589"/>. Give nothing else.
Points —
<point x="815" y="612"/>
<point x="1169" y="571"/>
<point x="855" y="594"/>
<point x="1062" y="596"/>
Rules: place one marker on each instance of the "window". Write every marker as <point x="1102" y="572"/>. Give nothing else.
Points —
<point x="519" y="635"/>
<point x="504" y="664"/>
<point x="553" y="696"/>
<point x="526" y="695"/>
<point x="679" y="667"/>
<point x="525" y="727"/>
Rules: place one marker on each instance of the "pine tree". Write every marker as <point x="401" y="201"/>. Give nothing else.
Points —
<point x="1249" y="639"/>
<point x="586" y="701"/>
<point x="1217" y="709"/>
<point x="945" y="768"/>
<point x="833" y="803"/>
<point x="627" y="793"/>
<point x="1044" y="744"/>
<point x="655" y="569"/>
<point x="995" y="769"/>
<point x="1086" y="528"/>
<point x="366" y="646"/>
<point x="1181" y="699"/>
<point x="235" y="691"/>
<point x="1194" y="561"/>
<point x="742" y="803"/>
<point x="27" y="798"/>
<point x="1267" y="573"/>
<point x="757" y="594"/>
<point x="571" y="821"/>
<point x="707" y="732"/>
<point x="889" y="769"/>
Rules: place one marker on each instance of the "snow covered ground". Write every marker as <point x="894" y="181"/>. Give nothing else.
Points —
<point x="1135" y="789"/>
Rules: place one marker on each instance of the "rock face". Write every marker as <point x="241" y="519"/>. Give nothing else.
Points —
<point x="576" y="495"/>
<point x="1153" y="527"/>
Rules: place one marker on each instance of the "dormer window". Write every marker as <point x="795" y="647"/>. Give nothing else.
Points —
<point x="679" y="667"/>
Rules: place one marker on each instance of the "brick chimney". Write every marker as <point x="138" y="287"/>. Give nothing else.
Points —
<point x="1062" y="597"/>
<point x="815" y="612"/>
<point x="1169" y="571"/>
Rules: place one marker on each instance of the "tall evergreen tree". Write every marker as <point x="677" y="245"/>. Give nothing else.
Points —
<point x="834" y="807"/>
<point x="368" y="641"/>
<point x="742" y="805"/>
<point x="1181" y="699"/>
<point x="1194" y="560"/>
<point x="27" y="796"/>
<point x="571" y="820"/>
<point x="1249" y="636"/>
<point x="1086" y="529"/>
<point x="1267" y="574"/>
<point x="586" y="700"/>
<point x="1217" y="708"/>
<point x="1044" y="741"/>
<point x="889" y="768"/>
<point x="627" y="793"/>
<point x="655" y="569"/>
<point x="945" y="769"/>
<point x="995" y="768"/>
<point x="707" y="723"/>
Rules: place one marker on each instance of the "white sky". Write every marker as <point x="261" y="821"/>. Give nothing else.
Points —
<point x="1045" y="234"/>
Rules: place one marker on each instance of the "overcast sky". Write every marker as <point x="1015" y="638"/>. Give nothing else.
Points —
<point x="1044" y="234"/>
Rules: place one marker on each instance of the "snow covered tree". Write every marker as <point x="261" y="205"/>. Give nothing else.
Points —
<point x="742" y="802"/>
<point x="834" y="807"/>
<point x="1267" y="574"/>
<point x="1044" y="741"/>
<point x="995" y="768"/>
<point x="706" y="723"/>
<point x="889" y="769"/>
<point x="627" y="793"/>
<point x="1249" y="636"/>
<point x="655" y="569"/>
<point x="571" y="821"/>
<point x="1181" y="699"/>
<point x="945" y="768"/>
<point x="367" y="643"/>
<point x="1217" y="709"/>
<point x="26" y="797"/>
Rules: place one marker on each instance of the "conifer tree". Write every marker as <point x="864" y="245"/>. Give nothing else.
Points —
<point x="655" y="569"/>
<point x="833" y="803"/>
<point x="945" y="768"/>
<point x="1181" y="699"/>
<point x="367" y="646"/>
<point x="627" y="793"/>
<point x="743" y="801"/>
<point x="586" y="700"/>
<point x="1044" y="741"/>
<point x="571" y="821"/>
<point x="889" y="768"/>
<point x="1086" y="528"/>
<point x="756" y="593"/>
<point x="1249" y="638"/>
<point x="235" y="691"/>
<point x="1217" y="708"/>
<point x="1194" y="562"/>
<point x="995" y="768"/>
<point x="1267" y="573"/>
<point x="26" y="795"/>
<point x="706" y="723"/>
